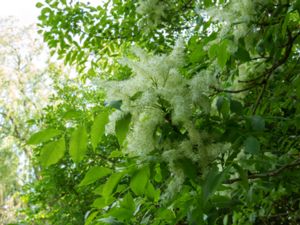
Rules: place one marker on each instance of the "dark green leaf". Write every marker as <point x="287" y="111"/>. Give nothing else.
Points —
<point x="258" y="123"/>
<point x="252" y="145"/>
<point x="236" y="107"/>
<point x="212" y="181"/>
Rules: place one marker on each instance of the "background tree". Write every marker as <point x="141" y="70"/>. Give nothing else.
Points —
<point x="25" y="84"/>
<point x="198" y="123"/>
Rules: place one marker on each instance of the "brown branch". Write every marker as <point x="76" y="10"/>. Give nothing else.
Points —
<point x="270" y="173"/>
<point x="232" y="91"/>
<point x="259" y="98"/>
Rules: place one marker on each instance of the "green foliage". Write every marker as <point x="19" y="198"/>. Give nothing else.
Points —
<point x="78" y="144"/>
<point x="198" y="123"/>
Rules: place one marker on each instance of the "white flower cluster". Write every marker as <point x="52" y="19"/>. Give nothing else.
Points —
<point x="235" y="15"/>
<point x="158" y="95"/>
<point x="152" y="11"/>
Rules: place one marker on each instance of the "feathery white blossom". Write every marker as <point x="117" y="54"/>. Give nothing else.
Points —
<point x="157" y="95"/>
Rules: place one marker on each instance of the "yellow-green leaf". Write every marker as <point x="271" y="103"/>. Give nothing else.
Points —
<point x="139" y="181"/>
<point x="43" y="136"/>
<point x="78" y="144"/>
<point x="98" y="128"/>
<point x="95" y="174"/>
<point x="52" y="152"/>
<point x="110" y="184"/>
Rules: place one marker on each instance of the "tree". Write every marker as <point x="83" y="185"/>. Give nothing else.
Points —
<point x="197" y="123"/>
<point x="25" y="84"/>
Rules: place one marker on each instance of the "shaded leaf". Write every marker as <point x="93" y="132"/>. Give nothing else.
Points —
<point x="212" y="181"/>
<point x="122" y="127"/>
<point x="252" y="145"/>
<point x="236" y="107"/>
<point x="116" y="104"/>
<point x="258" y="123"/>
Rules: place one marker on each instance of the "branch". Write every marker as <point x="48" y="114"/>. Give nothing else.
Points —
<point x="232" y="91"/>
<point x="270" y="173"/>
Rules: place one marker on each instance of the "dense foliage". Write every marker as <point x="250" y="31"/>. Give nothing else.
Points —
<point x="184" y="112"/>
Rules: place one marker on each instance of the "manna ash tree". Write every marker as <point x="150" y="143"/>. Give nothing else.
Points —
<point x="185" y="112"/>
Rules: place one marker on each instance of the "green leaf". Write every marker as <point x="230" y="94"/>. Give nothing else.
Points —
<point x="252" y="145"/>
<point x="222" y="54"/>
<point x="158" y="176"/>
<point x="116" y="104"/>
<point x="72" y="115"/>
<point x="212" y="181"/>
<point x="95" y="174"/>
<point x="98" y="128"/>
<point x="188" y="167"/>
<point x="52" y="152"/>
<point x="213" y="51"/>
<point x="128" y="203"/>
<point x="101" y="202"/>
<point x="110" y="184"/>
<point x="115" y="154"/>
<point x="121" y="213"/>
<point x="44" y="135"/>
<point x="90" y="218"/>
<point x="78" y="144"/>
<point x="223" y="106"/>
<point x="39" y="5"/>
<point x="139" y="181"/>
<point x="236" y="107"/>
<point x="243" y="175"/>
<point x="122" y="127"/>
<point x="110" y="220"/>
<point x="242" y="54"/>
<point x="151" y="193"/>
<point x="258" y="123"/>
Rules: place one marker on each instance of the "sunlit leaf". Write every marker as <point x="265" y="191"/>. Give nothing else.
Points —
<point x="95" y="174"/>
<point x="139" y="181"/>
<point x="52" y="152"/>
<point x="78" y="144"/>
<point x="98" y="128"/>
<point x="43" y="136"/>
